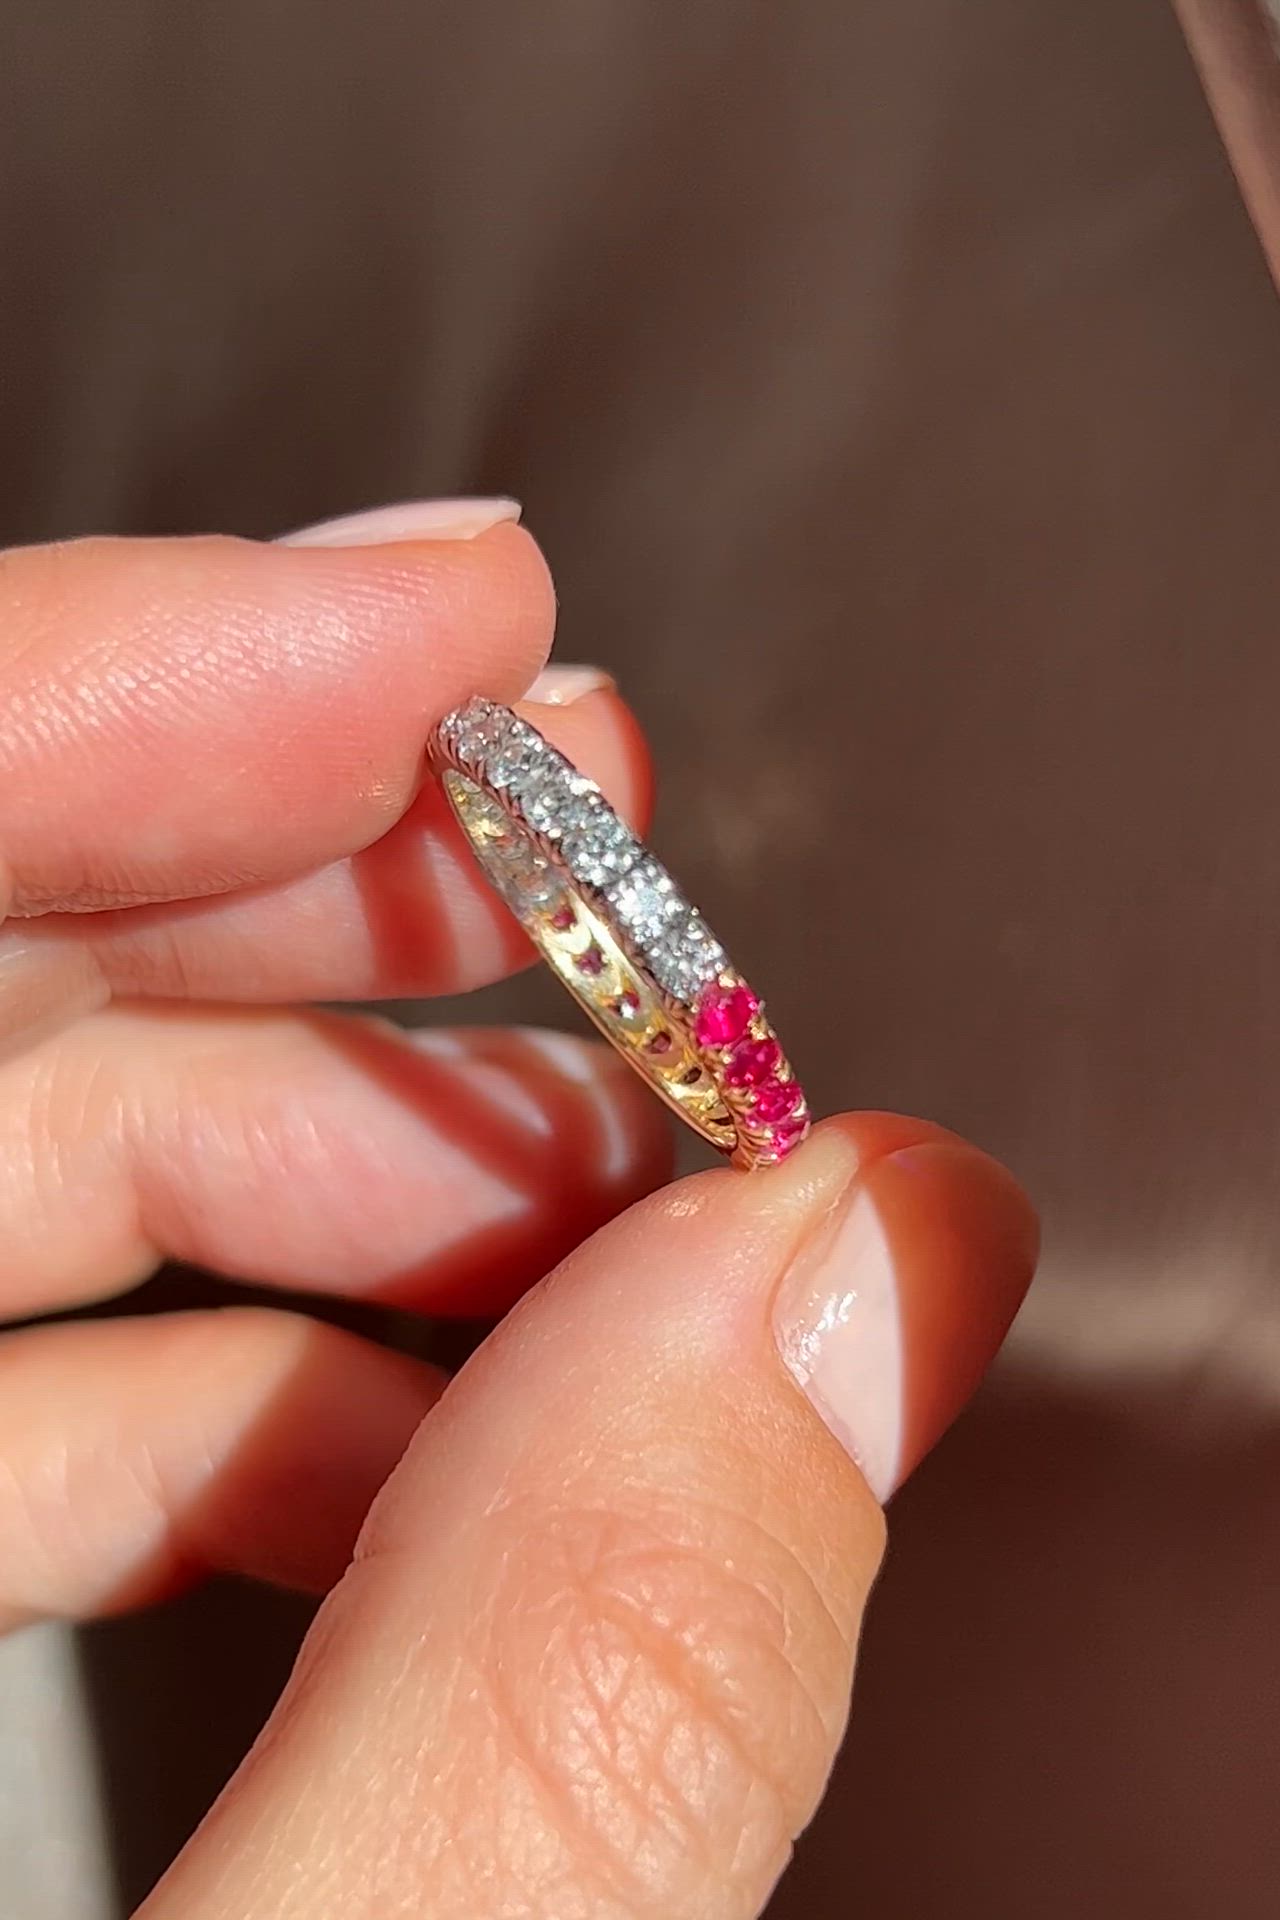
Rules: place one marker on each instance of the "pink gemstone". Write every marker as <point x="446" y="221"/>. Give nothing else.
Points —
<point x="724" y="1015"/>
<point x="788" y="1136"/>
<point x="660" y="1043"/>
<point x="752" y="1062"/>
<point x="591" y="961"/>
<point x="562" y="919"/>
<point x="775" y="1100"/>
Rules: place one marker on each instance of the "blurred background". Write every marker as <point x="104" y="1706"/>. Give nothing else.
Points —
<point x="895" y="392"/>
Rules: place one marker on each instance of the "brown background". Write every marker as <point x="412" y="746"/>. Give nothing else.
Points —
<point x="895" y="389"/>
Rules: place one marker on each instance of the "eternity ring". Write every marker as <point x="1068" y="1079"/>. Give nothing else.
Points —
<point x="612" y="924"/>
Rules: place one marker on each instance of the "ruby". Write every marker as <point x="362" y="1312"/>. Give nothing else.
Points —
<point x="787" y="1137"/>
<point x="752" y="1062"/>
<point x="591" y="961"/>
<point x="775" y="1100"/>
<point x="660" y="1042"/>
<point x="724" y="1015"/>
<point x="562" y="919"/>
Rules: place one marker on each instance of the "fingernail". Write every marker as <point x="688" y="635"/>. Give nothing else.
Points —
<point x="410" y="520"/>
<point x="895" y="1305"/>
<point x="838" y="1329"/>
<point x="558" y="686"/>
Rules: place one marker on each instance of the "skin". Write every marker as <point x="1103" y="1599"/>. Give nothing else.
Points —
<point x="588" y="1647"/>
<point x="1237" y="50"/>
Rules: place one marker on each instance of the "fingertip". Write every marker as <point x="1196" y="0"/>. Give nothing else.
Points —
<point x="608" y="1144"/>
<point x="872" y="1134"/>
<point x="291" y="683"/>
<point x="480" y="609"/>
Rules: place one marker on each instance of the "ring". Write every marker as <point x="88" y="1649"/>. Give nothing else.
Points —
<point x="610" y="921"/>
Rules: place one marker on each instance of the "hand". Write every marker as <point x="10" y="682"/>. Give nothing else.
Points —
<point x="592" y="1655"/>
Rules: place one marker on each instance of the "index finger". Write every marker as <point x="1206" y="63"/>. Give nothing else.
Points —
<point x="181" y="718"/>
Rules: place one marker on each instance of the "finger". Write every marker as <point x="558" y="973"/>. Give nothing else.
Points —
<point x="435" y="1170"/>
<point x="610" y="1674"/>
<point x="186" y="717"/>
<point x="1234" y="46"/>
<point x="137" y="1454"/>
<point x="411" y="915"/>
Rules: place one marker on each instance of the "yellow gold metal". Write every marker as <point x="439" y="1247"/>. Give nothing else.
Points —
<point x="645" y="1025"/>
<point x="519" y="814"/>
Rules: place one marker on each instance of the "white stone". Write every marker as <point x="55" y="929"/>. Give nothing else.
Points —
<point x="647" y="902"/>
<point x="555" y="798"/>
<point x="669" y="936"/>
<point x="513" y="759"/>
<point x="565" y="808"/>
<point x="475" y="730"/>
<point x="687" y="957"/>
<point x="598" y="847"/>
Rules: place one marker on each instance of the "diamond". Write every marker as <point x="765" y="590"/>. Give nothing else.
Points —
<point x="672" y="939"/>
<point x="555" y="807"/>
<point x="474" y="731"/>
<point x="539" y="794"/>
<point x="685" y="957"/>
<point x="516" y="755"/>
<point x="646" y="901"/>
<point x="597" y="847"/>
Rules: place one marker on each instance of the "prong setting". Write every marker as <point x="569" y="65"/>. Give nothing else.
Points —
<point x="621" y="935"/>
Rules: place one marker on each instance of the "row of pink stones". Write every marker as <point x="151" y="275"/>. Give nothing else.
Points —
<point x="722" y="1024"/>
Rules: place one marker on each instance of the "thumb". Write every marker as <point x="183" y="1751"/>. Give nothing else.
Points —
<point x="594" y="1654"/>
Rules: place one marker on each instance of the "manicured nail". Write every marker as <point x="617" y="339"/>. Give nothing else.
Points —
<point x="560" y="686"/>
<point x="410" y="520"/>
<point x="838" y="1328"/>
<point x="894" y="1307"/>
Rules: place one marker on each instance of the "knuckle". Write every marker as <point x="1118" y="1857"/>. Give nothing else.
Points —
<point x="665" y="1690"/>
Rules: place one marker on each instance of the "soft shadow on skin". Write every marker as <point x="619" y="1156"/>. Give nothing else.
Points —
<point x="160" y="1765"/>
<point x="404" y="903"/>
<point x="161" y="1759"/>
<point x="557" y="1175"/>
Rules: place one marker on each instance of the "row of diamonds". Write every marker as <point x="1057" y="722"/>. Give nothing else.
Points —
<point x="549" y="794"/>
<point x="668" y="935"/>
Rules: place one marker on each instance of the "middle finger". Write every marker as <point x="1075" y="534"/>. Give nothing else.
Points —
<point x="436" y="1171"/>
<point x="409" y="916"/>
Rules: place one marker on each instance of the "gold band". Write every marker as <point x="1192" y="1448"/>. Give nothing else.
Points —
<point x="611" y="923"/>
